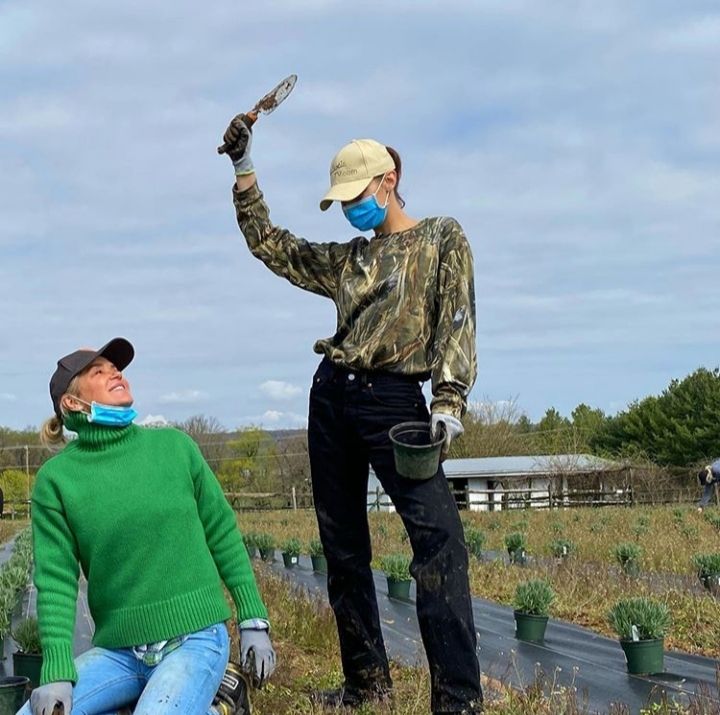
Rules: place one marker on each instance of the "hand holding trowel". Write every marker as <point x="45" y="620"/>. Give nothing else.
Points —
<point x="238" y="135"/>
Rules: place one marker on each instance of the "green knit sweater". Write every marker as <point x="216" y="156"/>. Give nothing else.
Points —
<point x="144" y="516"/>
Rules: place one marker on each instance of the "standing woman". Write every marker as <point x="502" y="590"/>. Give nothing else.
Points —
<point x="144" y="516"/>
<point x="405" y="314"/>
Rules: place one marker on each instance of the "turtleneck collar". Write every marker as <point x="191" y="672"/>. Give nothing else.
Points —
<point x="94" y="436"/>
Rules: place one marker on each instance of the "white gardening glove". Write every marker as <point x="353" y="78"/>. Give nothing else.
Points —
<point x="257" y="656"/>
<point x="237" y="144"/>
<point x="44" y="699"/>
<point x="453" y="428"/>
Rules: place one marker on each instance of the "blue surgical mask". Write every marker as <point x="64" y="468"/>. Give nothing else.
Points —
<point x="110" y="415"/>
<point x="366" y="214"/>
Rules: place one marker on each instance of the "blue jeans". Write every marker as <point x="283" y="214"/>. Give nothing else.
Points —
<point x="707" y="495"/>
<point x="183" y="683"/>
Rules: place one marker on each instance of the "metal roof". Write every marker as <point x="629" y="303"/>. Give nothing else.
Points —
<point x="521" y="466"/>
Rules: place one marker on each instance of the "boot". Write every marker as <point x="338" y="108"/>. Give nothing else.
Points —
<point x="233" y="695"/>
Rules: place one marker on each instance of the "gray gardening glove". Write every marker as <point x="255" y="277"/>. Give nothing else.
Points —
<point x="452" y="425"/>
<point x="44" y="699"/>
<point x="237" y="144"/>
<point x="257" y="656"/>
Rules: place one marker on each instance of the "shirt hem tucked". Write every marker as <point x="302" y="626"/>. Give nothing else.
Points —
<point x="162" y="620"/>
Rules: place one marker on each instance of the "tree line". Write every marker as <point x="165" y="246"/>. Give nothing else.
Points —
<point x="679" y="428"/>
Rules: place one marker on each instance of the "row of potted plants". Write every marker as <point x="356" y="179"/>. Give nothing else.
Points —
<point x="14" y="577"/>
<point x="263" y="545"/>
<point x="640" y="624"/>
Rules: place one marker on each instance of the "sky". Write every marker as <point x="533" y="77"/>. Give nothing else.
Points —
<point x="577" y="143"/>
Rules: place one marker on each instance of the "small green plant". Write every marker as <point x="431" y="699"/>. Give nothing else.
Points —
<point x="291" y="547"/>
<point x="515" y="543"/>
<point x="534" y="597"/>
<point x="628" y="556"/>
<point x="689" y="531"/>
<point x="27" y="636"/>
<point x="557" y="527"/>
<point x="475" y="540"/>
<point x="265" y="542"/>
<point x="315" y="548"/>
<point x="707" y="565"/>
<point x="562" y="548"/>
<point x="249" y="541"/>
<point x="678" y="516"/>
<point x="396" y="567"/>
<point x="712" y="518"/>
<point x="639" y="619"/>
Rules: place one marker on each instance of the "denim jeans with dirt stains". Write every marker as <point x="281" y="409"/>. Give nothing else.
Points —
<point x="350" y="415"/>
<point x="184" y="682"/>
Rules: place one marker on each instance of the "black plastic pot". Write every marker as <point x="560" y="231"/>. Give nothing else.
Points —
<point x="644" y="657"/>
<point x="13" y="693"/>
<point x="28" y="665"/>
<point x="518" y="557"/>
<point x="529" y="627"/>
<point x="712" y="583"/>
<point x="417" y="454"/>
<point x="267" y="554"/>
<point x="290" y="560"/>
<point x="319" y="564"/>
<point x="399" y="589"/>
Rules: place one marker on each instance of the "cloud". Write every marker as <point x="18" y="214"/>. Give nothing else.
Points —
<point x="583" y="166"/>
<point x="153" y="421"/>
<point x="277" y="419"/>
<point x="279" y="390"/>
<point x="183" y="397"/>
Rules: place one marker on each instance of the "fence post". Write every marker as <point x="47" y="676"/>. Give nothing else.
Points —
<point x="294" y="499"/>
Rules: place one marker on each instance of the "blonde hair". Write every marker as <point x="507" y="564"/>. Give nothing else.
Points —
<point x="51" y="433"/>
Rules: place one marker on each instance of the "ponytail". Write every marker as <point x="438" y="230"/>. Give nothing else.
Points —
<point x="398" y="168"/>
<point x="51" y="434"/>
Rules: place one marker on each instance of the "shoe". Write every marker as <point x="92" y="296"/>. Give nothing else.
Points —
<point x="349" y="697"/>
<point x="233" y="695"/>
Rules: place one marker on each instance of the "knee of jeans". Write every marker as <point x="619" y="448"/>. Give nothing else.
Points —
<point x="433" y="567"/>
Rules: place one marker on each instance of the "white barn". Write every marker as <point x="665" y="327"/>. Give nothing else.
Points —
<point x="494" y="483"/>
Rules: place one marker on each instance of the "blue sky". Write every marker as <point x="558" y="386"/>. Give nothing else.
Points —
<point x="577" y="143"/>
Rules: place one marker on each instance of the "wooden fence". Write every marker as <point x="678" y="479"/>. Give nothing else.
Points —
<point x="490" y="500"/>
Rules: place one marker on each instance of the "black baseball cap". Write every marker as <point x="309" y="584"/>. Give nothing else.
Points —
<point x="118" y="351"/>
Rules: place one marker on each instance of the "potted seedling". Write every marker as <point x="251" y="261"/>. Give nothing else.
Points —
<point x="27" y="660"/>
<point x="641" y="624"/>
<point x="7" y="601"/>
<point x="266" y="546"/>
<point x="291" y="549"/>
<point x="532" y="607"/>
<point x="317" y="556"/>
<point x="708" y="571"/>
<point x="562" y="548"/>
<point x="475" y="540"/>
<point x="628" y="557"/>
<point x="516" y="545"/>
<point x="397" y="572"/>
<point x="249" y="539"/>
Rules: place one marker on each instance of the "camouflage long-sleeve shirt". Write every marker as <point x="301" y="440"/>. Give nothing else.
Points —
<point x="405" y="301"/>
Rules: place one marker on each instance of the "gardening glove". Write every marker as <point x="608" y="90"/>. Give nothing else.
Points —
<point x="237" y="143"/>
<point x="257" y="655"/>
<point x="452" y="426"/>
<point x="44" y="699"/>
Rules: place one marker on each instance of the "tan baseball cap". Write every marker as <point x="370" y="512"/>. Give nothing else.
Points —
<point x="353" y="168"/>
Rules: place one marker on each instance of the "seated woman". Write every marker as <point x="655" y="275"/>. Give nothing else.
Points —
<point x="144" y="516"/>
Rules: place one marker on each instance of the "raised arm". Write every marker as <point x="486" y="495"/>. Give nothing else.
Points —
<point x="312" y="266"/>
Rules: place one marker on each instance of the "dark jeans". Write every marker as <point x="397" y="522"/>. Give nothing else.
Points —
<point x="350" y="415"/>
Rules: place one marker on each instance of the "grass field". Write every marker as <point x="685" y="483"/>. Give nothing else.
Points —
<point x="589" y="582"/>
<point x="305" y="638"/>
